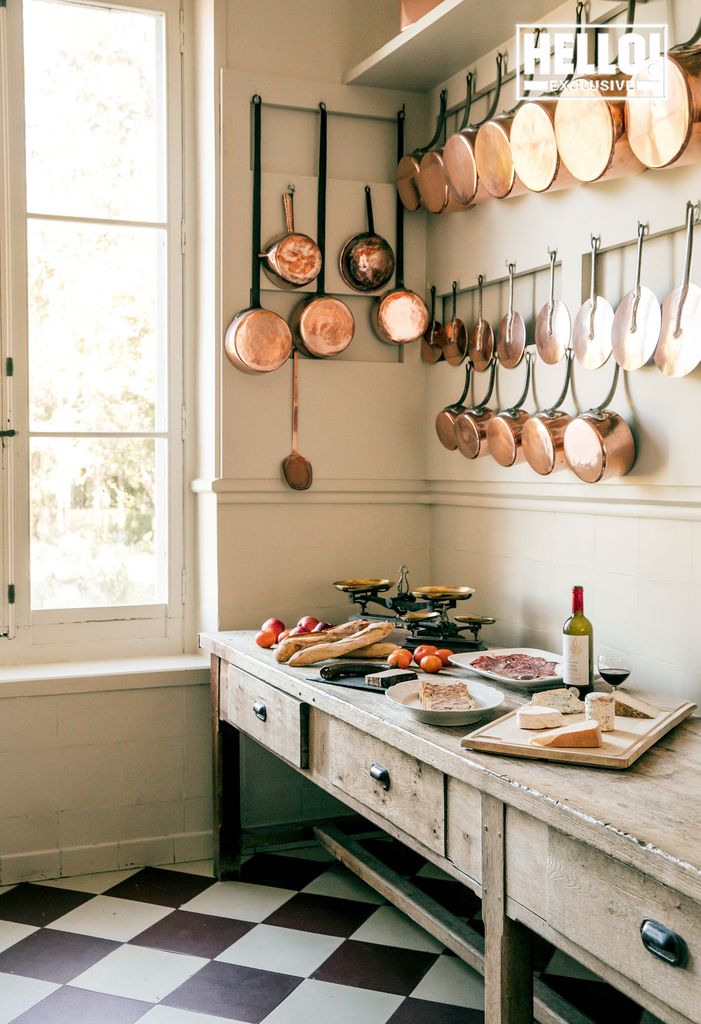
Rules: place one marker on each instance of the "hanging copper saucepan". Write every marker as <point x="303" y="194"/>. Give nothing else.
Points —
<point x="455" y="348"/>
<point x="400" y="315"/>
<point x="445" y="420"/>
<point x="292" y="259"/>
<point x="511" y="336"/>
<point x="257" y="340"/>
<point x="679" y="348"/>
<point x="459" y="153"/>
<point x="322" y="325"/>
<point x="505" y="430"/>
<point x="553" y="327"/>
<point x="533" y="145"/>
<point x="667" y="130"/>
<point x="591" y="337"/>
<point x="366" y="262"/>
<point x="434" y="338"/>
<point x="408" y="165"/>
<point x="544" y="434"/>
<point x="636" y="325"/>
<point x="599" y="443"/>
<point x="432" y="182"/>
<point x="480" y="345"/>
<point x="471" y="425"/>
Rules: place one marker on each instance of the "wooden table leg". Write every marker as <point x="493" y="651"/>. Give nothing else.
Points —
<point x="508" y="969"/>
<point x="226" y="786"/>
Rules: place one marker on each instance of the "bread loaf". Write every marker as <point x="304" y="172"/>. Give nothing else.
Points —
<point x="293" y="644"/>
<point x="321" y="652"/>
<point x="376" y="652"/>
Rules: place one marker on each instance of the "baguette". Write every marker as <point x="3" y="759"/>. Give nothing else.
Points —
<point x="293" y="644"/>
<point x="322" y="652"/>
<point x="373" y="651"/>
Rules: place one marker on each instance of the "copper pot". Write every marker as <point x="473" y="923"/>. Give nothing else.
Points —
<point x="366" y="262"/>
<point x="434" y="338"/>
<point x="292" y="259"/>
<point x="408" y="164"/>
<point x="480" y="345"/>
<point x="544" y="434"/>
<point x="432" y="181"/>
<point x="459" y="155"/>
<point x="511" y="336"/>
<point x="471" y="425"/>
<point x="445" y="420"/>
<point x="505" y="431"/>
<point x="599" y="443"/>
<point x="455" y="348"/>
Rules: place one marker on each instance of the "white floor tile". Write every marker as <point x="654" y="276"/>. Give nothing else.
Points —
<point x="285" y="950"/>
<point x="10" y="933"/>
<point x="452" y="981"/>
<point x="136" y="973"/>
<point x="18" y="994"/>
<point x="390" y="927"/>
<point x="564" y="966"/>
<point x="322" y="1001"/>
<point x="97" y="883"/>
<point x="342" y="883"/>
<point x="107" y="917"/>
<point x="194" y="867"/>
<point x="239" y="900"/>
<point x="170" y="1015"/>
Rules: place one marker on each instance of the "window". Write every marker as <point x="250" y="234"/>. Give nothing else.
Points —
<point x="99" y="450"/>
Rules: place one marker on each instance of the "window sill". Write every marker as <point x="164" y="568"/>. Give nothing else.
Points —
<point x="97" y="676"/>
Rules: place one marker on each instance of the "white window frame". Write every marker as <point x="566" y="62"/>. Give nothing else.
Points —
<point x="82" y="633"/>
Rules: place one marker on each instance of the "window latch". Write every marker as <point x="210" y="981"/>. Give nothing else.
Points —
<point x="8" y="433"/>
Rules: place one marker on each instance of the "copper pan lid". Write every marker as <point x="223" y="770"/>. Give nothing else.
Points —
<point x="455" y="348"/>
<point x="679" y="348"/>
<point x="434" y="337"/>
<point x="480" y="345"/>
<point x="258" y="341"/>
<point x="591" y="335"/>
<point x="636" y="325"/>
<point x="511" y="336"/>
<point x="553" y="328"/>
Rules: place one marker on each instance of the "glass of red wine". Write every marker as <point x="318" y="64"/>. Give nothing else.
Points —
<point x="613" y="668"/>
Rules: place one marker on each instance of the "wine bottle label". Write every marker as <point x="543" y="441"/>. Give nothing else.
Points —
<point x="575" y="660"/>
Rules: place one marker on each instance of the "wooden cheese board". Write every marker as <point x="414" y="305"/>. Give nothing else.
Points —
<point x="620" y="748"/>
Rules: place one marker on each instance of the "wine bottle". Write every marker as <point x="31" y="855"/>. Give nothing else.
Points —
<point x="578" y="647"/>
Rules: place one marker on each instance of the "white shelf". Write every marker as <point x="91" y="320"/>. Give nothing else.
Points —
<point x="447" y="39"/>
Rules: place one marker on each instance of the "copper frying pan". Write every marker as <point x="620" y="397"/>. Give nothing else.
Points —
<point x="591" y="337"/>
<point x="511" y="336"/>
<point x="471" y="425"/>
<point x="480" y="344"/>
<point x="544" y="434"/>
<point x="455" y="348"/>
<point x="445" y="420"/>
<point x="292" y="259"/>
<point x="599" y="443"/>
<point x="505" y="431"/>
<point x="459" y="153"/>
<point x="366" y="261"/>
<point x="636" y="325"/>
<point x="257" y="340"/>
<point x="679" y="348"/>
<point x="432" y="182"/>
<point x="408" y="164"/>
<point x="322" y="325"/>
<point x="553" y="327"/>
<point x="434" y="337"/>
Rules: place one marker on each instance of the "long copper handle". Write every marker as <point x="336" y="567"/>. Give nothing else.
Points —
<point x="510" y="317"/>
<point x="480" y="285"/>
<point x="692" y="211"/>
<point x="551" y="300"/>
<point x="288" y="201"/>
<point x="454" y="313"/>
<point x="565" y="387"/>
<point x="642" y="232"/>
<point x="595" y="246"/>
<point x="295" y="401"/>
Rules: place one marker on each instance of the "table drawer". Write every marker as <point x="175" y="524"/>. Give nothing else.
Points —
<point x="390" y="782"/>
<point x="271" y="717"/>
<point x="600" y="904"/>
<point x="464" y="828"/>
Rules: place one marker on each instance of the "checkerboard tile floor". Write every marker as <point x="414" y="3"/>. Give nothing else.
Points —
<point x="298" y="939"/>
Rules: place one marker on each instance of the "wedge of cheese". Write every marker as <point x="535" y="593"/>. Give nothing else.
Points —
<point x="581" y="734"/>
<point x="628" y="706"/>
<point x="565" y="700"/>
<point x="530" y="717"/>
<point x="453" y="696"/>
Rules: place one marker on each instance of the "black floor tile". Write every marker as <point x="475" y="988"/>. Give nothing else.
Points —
<point x="237" y="993"/>
<point x="39" y="904"/>
<point x="195" y="934"/>
<point x="325" y="915"/>
<point x="76" y="1006"/>
<point x="282" y="872"/>
<point x="160" y="886"/>
<point x="423" y="1011"/>
<point x="376" y="967"/>
<point x="54" y="956"/>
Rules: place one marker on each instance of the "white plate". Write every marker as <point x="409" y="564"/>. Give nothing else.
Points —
<point x="465" y="661"/>
<point x="406" y="695"/>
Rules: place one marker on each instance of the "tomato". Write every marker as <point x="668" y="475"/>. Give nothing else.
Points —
<point x="431" y="663"/>
<point x="266" y="638"/>
<point x="400" y="658"/>
<point x="422" y="651"/>
<point x="444" y="654"/>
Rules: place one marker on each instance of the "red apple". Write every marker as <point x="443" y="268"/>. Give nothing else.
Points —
<point x="299" y="631"/>
<point x="283" y="636"/>
<point x="321" y="626"/>
<point x="277" y="626"/>
<point x="309" y="622"/>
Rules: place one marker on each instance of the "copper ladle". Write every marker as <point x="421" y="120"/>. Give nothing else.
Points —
<point x="593" y="324"/>
<point x="679" y="348"/>
<point x="553" y="328"/>
<point x="297" y="469"/>
<point x="636" y="325"/>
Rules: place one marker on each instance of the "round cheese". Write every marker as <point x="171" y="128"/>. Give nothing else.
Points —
<point x="530" y="717"/>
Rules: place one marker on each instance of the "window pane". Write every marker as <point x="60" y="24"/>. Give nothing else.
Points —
<point x="96" y="327"/>
<point x="94" y="111"/>
<point x="97" y="522"/>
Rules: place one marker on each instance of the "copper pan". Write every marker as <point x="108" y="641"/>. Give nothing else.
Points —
<point x="636" y="325"/>
<point x="511" y="336"/>
<point x="408" y="165"/>
<point x="366" y="262"/>
<point x="667" y="131"/>
<point x="322" y="325"/>
<point x="434" y="337"/>
<point x="505" y="431"/>
<point x="459" y="154"/>
<point x="471" y="425"/>
<point x="591" y="336"/>
<point x="432" y="182"/>
<point x="445" y="420"/>
<point x="544" y="434"/>
<point x="257" y="340"/>
<point x="292" y="259"/>
<point x="553" y="327"/>
<point x="455" y="348"/>
<point x="679" y="348"/>
<point x="599" y="443"/>
<point x="480" y="345"/>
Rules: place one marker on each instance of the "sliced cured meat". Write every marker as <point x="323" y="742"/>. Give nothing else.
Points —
<point x="516" y="666"/>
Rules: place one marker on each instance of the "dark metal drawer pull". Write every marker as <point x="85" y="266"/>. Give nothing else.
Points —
<point x="663" y="943"/>
<point x="260" y="710"/>
<point x="380" y="775"/>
